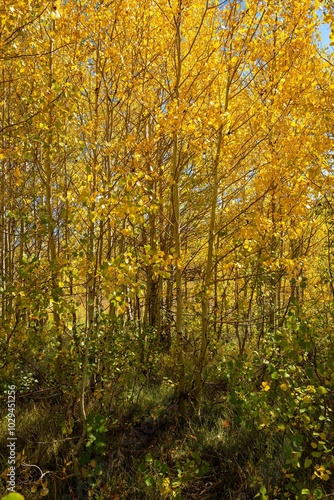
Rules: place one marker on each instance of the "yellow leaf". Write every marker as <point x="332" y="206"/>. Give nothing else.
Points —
<point x="17" y="174"/>
<point x="13" y="496"/>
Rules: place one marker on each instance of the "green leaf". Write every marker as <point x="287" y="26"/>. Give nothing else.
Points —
<point x="305" y="491"/>
<point x="287" y="450"/>
<point x="205" y="467"/>
<point x="307" y="463"/>
<point x="149" y="481"/>
<point x="298" y="439"/>
<point x="275" y="375"/>
<point x="164" y="468"/>
<point x="317" y="493"/>
<point x="321" y="390"/>
<point x="142" y="467"/>
<point x="84" y="458"/>
<point x="263" y="492"/>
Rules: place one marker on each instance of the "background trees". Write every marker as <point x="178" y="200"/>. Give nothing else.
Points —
<point x="166" y="201"/>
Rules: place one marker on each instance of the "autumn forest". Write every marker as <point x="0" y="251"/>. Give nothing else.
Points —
<point x="167" y="249"/>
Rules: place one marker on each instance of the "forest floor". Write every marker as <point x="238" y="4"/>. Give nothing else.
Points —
<point x="147" y="451"/>
<point x="137" y="447"/>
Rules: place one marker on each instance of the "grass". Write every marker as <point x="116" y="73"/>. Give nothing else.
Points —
<point x="139" y="449"/>
<point x="136" y="441"/>
<point x="40" y="446"/>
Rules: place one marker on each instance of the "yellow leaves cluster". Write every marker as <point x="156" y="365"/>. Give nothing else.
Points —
<point x="265" y="386"/>
<point x="321" y="472"/>
<point x="112" y="129"/>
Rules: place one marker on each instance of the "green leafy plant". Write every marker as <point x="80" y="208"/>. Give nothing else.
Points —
<point x="170" y="481"/>
<point x="90" y="458"/>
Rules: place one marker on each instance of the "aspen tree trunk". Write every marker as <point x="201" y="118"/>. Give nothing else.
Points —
<point x="273" y="278"/>
<point x="162" y="244"/>
<point x="68" y="252"/>
<point x="7" y="222"/>
<point x="175" y="199"/>
<point x="151" y="311"/>
<point x="169" y="302"/>
<point x="91" y="284"/>
<point x="2" y="209"/>
<point x="109" y="132"/>
<point x="215" y="306"/>
<point x="329" y="237"/>
<point x="91" y="280"/>
<point x="48" y="193"/>
<point x="178" y="282"/>
<point x="201" y="360"/>
<point x="10" y="260"/>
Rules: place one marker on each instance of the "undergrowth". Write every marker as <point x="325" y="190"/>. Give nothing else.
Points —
<point x="265" y="431"/>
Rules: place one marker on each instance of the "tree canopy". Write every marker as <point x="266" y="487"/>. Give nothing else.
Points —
<point x="167" y="214"/>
